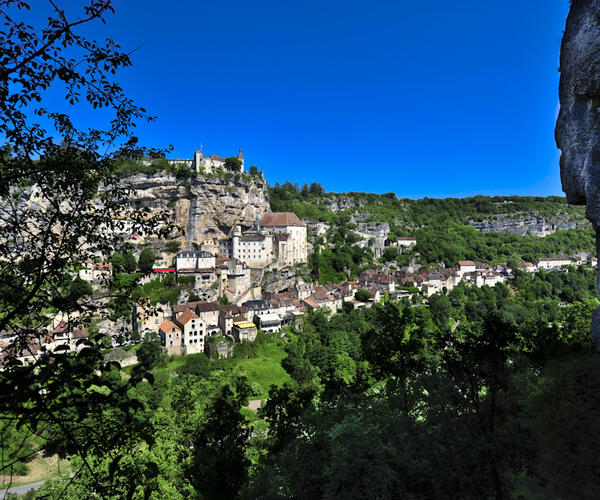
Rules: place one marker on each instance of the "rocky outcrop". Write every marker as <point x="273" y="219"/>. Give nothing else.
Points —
<point x="578" y="124"/>
<point x="206" y="207"/>
<point x="534" y="226"/>
<point x="338" y="203"/>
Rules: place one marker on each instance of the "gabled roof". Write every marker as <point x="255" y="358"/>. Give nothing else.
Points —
<point x="187" y="316"/>
<point x="167" y="326"/>
<point x="281" y="219"/>
<point x="466" y="263"/>
<point x="61" y="327"/>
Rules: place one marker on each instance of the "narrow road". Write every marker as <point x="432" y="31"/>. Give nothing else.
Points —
<point x="22" y="489"/>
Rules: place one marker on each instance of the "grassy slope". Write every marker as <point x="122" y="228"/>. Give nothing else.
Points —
<point x="266" y="368"/>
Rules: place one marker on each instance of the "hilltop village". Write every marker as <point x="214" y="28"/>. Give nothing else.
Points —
<point x="224" y="288"/>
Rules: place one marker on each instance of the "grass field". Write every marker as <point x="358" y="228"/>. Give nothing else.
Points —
<point x="266" y="368"/>
<point x="40" y="469"/>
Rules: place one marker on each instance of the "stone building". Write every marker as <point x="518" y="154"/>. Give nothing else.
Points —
<point x="204" y="163"/>
<point x="291" y="245"/>
<point x="194" y="332"/>
<point x="276" y="239"/>
<point x="171" y="337"/>
<point x="193" y="260"/>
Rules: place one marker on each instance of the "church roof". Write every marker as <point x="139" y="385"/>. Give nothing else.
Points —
<point x="281" y="219"/>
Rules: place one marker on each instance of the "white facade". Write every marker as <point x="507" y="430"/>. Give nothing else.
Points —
<point x="553" y="263"/>
<point x="193" y="259"/>
<point x="406" y="241"/>
<point x="194" y="332"/>
<point x="254" y="249"/>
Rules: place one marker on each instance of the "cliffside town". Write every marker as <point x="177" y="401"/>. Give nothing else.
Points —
<point x="229" y="266"/>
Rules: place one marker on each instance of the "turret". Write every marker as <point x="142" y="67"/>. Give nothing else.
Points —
<point x="240" y="157"/>
<point x="235" y="237"/>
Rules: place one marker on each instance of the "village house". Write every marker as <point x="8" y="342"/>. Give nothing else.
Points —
<point x="244" y="330"/>
<point x="269" y="323"/>
<point x="144" y="317"/>
<point x="528" y="266"/>
<point x="406" y="241"/>
<point x="95" y="272"/>
<point x="552" y="263"/>
<point x="385" y="282"/>
<point x="228" y="315"/>
<point x="208" y="312"/>
<point x="171" y="337"/>
<point x="194" y="332"/>
<point x="465" y="266"/>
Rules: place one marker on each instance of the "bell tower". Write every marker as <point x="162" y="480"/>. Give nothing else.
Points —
<point x="240" y="157"/>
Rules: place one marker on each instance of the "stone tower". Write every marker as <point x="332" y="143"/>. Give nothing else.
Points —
<point x="240" y="157"/>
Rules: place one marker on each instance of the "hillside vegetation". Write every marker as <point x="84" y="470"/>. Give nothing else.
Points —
<point x="441" y="227"/>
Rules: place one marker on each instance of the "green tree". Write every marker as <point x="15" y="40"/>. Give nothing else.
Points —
<point x="363" y="295"/>
<point x="146" y="260"/>
<point x="316" y="188"/>
<point x="253" y="170"/>
<point x="232" y="164"/>
<point x="150" y="354"/>
<point x="129" y="264"/>
<point x="173" y="246"/>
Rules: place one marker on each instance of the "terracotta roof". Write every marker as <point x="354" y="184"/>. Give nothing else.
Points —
<point x="61" y="327"/>
<point x="311" y="303"/>
<point x="103" y="266"/>
<point x="281" y="219"/>
<point x="167" y="326"/>
<point x="187" y="316"/>
<point x="466" y="263"/>
<point x="281" y="237"/>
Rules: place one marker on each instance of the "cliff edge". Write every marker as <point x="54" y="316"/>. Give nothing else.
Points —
<point x="578" y="123"/>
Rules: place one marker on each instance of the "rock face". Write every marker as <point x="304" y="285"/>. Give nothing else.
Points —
<point x="578" y="124"/>
<point x="534" y="226"/>
<point x="206" y="207"/>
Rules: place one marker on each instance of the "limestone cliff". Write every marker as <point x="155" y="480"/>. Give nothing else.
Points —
<point x="578" y="124"/>
<point x="205" y="207"/>
<point x="533" y="225"/>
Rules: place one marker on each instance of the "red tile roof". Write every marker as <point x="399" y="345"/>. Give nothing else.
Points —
<point x="167" y="326"/>
<point x="466" y="263"/>
<point x="187" y="316"/>
<point x="61" y="327"/>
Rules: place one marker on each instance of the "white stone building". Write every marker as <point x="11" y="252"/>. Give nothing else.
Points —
<point x="206" y="164"/>
<point x="194" y="332"/>
<point x="194" y="260"/>
<point x="553" y="262"/>
<point x="277" y="238"/>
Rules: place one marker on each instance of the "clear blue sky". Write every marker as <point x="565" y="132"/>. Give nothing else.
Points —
<point x="429" y="98"/>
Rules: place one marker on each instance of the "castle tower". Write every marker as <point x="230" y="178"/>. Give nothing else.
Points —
<point x="237" y="232"/>
<point x="240" y="157"/>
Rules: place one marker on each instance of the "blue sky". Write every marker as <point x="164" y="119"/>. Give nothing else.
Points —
<point x="429" y="98"/>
